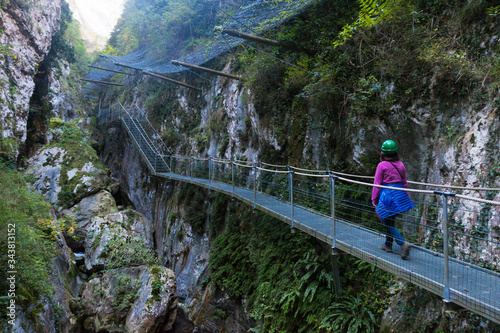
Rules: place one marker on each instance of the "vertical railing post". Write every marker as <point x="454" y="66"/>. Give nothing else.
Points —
<point x="446" y="263"/>
<point x="332" y="198"/>
<point x="290" y="182"/>
<point x="260" y="166"/>
<point x="209" y="173"/>
<point x="232" y="176"/>
<point x="254" y="186"/>
<point x="191" y="167"/>
<point x="171" y="170"/>
<point x="156" y="163"/>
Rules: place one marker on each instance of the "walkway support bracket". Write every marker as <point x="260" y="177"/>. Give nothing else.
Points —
<point x="249" y="37"/>
<point x="446" y="288"/>
<point x="213" y="71"/>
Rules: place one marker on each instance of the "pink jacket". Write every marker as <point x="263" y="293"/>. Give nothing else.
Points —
<point x="386" y="173"/>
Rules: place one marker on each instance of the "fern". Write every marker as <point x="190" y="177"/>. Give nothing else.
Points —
<point x="352" y="315"/>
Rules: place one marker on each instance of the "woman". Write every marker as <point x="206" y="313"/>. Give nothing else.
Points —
<point x="389" y="203"/>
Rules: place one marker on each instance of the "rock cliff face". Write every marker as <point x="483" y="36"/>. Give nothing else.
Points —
<point x="128" y="291"/>
<point x="453" y="146"/>
<point x="179" y="246"/>
<point x="25" y="35"/>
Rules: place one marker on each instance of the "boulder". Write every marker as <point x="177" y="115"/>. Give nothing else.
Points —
<point x="67" y="175"/>
<point x="100" y="204"/>
<point x="137" y="299"/>
<point x="118" y="240"/>
<point x="46" y="167"/>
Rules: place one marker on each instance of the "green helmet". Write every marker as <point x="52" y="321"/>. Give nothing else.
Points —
<point x="389" y="147"/>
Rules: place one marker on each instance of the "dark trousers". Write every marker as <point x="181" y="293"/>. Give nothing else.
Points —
<point x="392" y="233"/>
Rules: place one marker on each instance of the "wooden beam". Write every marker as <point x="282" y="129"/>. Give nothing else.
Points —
<point x="252" y="38"/>
<point x="109" y="70"/>
<point x="236" y="77"/>
<point x="170" y="80"/>
<point x="126" y="66"/>
<point x="104" y="82"/>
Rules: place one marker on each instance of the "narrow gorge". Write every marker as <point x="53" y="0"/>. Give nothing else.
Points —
<point x="96" y="242"/>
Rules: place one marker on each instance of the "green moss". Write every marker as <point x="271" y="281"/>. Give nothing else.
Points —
<point x="194" y="203"/>
<point x="56" y="123"/>
<point x="78" y="152"/>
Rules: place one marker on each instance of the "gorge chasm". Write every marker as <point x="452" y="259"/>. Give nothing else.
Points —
<point x="103" y="245"/>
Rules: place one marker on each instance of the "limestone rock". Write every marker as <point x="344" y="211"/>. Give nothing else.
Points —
<point x="119" y="239"/>
<point x="27" y="35"/>
<point x="63" y="176"/>
<point x="68" y="284"/>
<point x="100" y="204"/>
<point x="138" y="299"/>
<point x="46" y="168"/>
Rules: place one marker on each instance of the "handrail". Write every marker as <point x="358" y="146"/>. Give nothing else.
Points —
<point x="155" y="151"/>
<point x="333" y="172"/>
<point x="151" y="143"/>
<point x="138" y="145"/>
<point x="162" y="144"/>
<point x="314" y="195"/>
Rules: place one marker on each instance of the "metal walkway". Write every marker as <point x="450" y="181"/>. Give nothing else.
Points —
<point x="470" y="286"/>
<point x="424" y="269"/>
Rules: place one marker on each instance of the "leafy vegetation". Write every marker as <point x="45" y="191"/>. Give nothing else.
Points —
<point x="370" y="65"/>
<point x="287" y="278"/>
<point x="128" y="253"/>
<point x="159" y="24"/>
<point x="23" y="213"/>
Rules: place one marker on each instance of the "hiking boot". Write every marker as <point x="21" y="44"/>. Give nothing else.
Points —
<point x="386" y="248"/>
<point x="405" y="250"/>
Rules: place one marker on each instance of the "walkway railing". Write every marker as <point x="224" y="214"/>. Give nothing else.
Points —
<point x="455" y="238"/>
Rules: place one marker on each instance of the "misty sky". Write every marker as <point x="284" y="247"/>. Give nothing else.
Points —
<point x="98" y="16"/>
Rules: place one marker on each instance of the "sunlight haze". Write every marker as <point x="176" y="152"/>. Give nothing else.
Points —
<point x="97" y="19"/>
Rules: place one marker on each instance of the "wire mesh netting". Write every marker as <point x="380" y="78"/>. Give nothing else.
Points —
<point x="255" y="18"/>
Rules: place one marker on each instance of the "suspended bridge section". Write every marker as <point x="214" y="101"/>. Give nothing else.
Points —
<point x="454" y="252"/>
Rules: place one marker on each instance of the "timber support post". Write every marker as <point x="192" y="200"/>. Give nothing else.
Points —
<point x="171" y="80"/>
<point x="106" y="83"/>
<point x="205" y="69"/>
<point x="109" y="70"/>
<point x="249" y="37"/>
